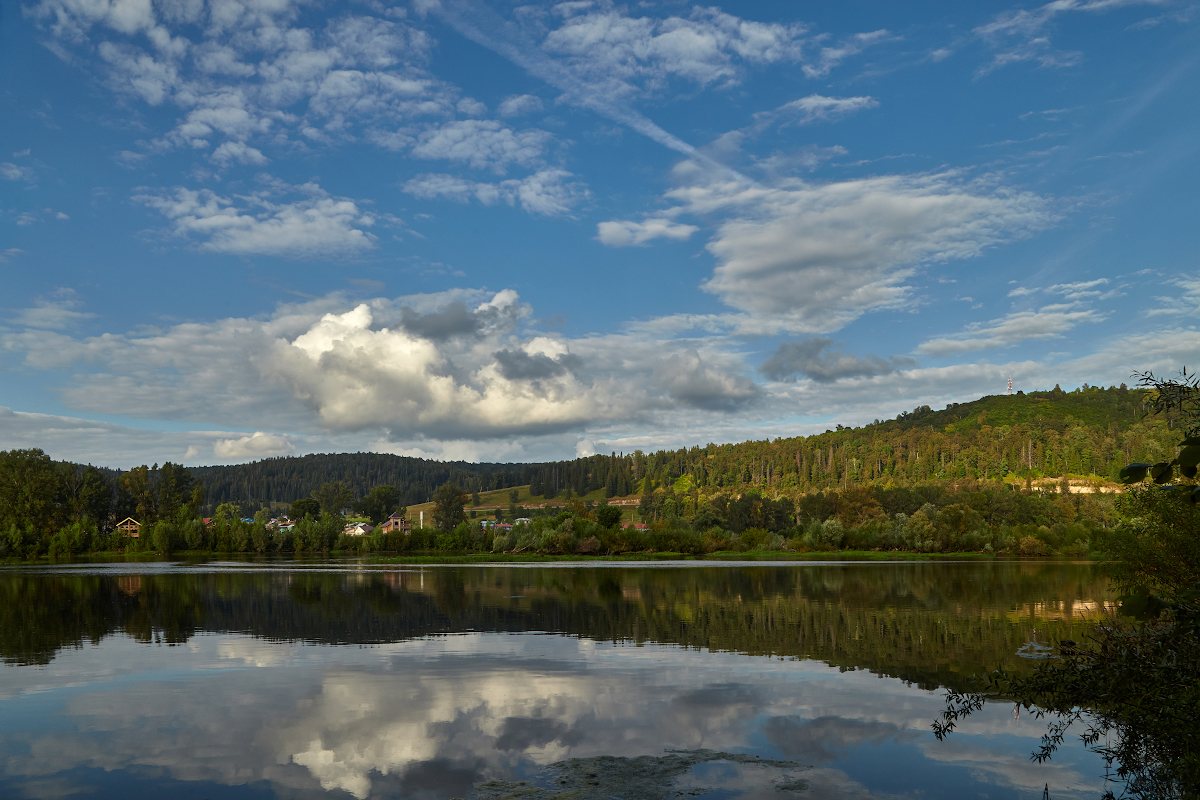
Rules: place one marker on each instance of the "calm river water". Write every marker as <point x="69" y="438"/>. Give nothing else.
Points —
<point x="599" y="680"/>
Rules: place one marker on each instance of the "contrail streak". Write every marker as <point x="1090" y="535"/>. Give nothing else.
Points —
<point x="486" y="28"/>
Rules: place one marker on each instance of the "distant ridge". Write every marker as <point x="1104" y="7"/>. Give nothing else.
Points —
<point x="1091" y="431"/>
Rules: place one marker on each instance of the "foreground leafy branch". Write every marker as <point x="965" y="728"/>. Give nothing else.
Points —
<point x="1133" y="687"/>
<point x="1134" y="683"/>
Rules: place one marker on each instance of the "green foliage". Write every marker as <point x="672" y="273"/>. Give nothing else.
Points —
<point x="28" y="484"/>
<point x="608" y="516"/>
<point x="281" y="480"/>
<point x="378" y="503"/>
<point x="333" y="496"/>
<point x="1156" y="548"/>
<point x="76" y="538"/>
<point x="448" y="501"/>
<point x="304" y="507"/>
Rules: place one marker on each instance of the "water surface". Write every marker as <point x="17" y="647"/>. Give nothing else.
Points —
<point x="240" y="680"/>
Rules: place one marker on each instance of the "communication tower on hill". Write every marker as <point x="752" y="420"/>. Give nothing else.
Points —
<point x="1009" y="386"/>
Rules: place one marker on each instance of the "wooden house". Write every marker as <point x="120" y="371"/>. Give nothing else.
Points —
<point x="130" y="527"/>
<point x="395" y="523"/>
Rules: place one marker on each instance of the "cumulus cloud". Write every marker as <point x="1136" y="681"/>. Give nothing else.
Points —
<point x="546" y="192"/>
<point x="520" y="104"/>
<point x="256" y="445"/>
<point x="636" y="54"/>
<point x="482" y="143"/>
<point x="811" y="257"/>
<point x="623" y="233"/>
<point x="241" y="72"/>
<point x="355" y="376"/>
<point x="436" y="373"/>
<point x="238" y="151"/>
<point x="520" y="365"/>
<point x="1046" y="322"/>
<point x="316" y="224"/>
<point x="815" y="358"/>
<point x="691" y="381"/>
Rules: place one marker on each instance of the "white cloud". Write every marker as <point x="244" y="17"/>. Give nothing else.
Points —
<point x="427" y="371"/>
<point x="832" y="56"/>
<point x="1077" y="291"/>
<point x="12" y="172"/>
<point x="1019" y="36"/>
<point x="130" y="159"/>
<point x="636" y="54"/>
<point x="519" y="105"/>
<point x="811" y="257"/>
<point x="1184" y="301"/>
<point x="471" y="107"/>
<point x="459" y="375"/>
<point x="817" y="107"/>
<point x="54" y="313"/>
<point x="482" y="144"/>
<point x="545" y="192"/>
<point x="239" y="152"/>
<point x="355" y="376"/>
<point x="623" y="233"/>
<point x="240" y="72"/>
<point x="604" y="73"/>
<point x="256" y="445"/>
<point x="317" y="224"/>
<point x="1046" y="322"/>
<point x="9" y="253"/>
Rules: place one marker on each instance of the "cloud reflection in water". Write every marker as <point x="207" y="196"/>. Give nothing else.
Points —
<point x="430" y="718"/>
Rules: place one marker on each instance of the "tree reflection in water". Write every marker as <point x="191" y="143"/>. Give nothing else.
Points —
<point x="644" y="659"/>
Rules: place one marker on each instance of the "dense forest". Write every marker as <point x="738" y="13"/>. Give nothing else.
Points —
<point x="1091" y="431"/>
<point x="282" y="480"/>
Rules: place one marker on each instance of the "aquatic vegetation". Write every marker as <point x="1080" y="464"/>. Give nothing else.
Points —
<point x="638" y="778"/>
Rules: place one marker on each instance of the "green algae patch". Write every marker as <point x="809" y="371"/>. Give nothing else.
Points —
<point x="639" y="778"/>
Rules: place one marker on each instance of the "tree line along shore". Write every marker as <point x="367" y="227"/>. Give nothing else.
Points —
<point x="1027" y="474"/>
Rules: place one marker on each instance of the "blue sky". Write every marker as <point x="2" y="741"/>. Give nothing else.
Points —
<point x="492" y="231"/>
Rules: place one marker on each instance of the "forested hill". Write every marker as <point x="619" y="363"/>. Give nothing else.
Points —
<point x="287" y="479"/>
<point x="1091" y="431"/>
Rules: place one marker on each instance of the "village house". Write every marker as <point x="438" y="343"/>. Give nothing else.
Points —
<point x="358" y="529"/>
<point x="395" y="523"/>
<point x="130" y="527"/>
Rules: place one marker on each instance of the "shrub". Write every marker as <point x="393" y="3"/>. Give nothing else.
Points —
<point x="1032" y="546"/>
